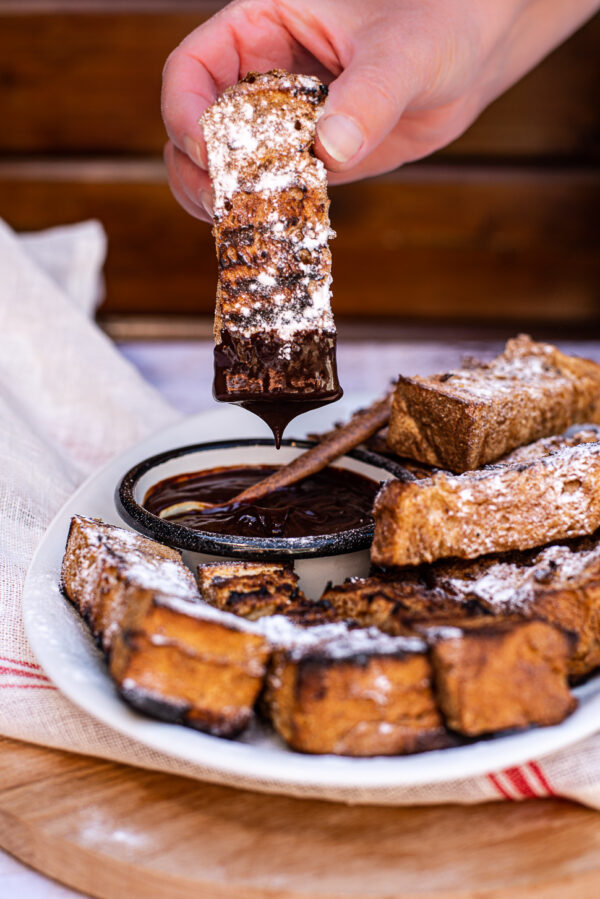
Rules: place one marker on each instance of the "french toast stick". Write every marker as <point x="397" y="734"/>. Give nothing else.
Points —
<point x="495" y="674"/>
<point x="514" y="505"/>
<point x="106" y="567"/>
<point x="171" y="660"/>
<point x="274" y="330"/>
<point x="464" y="419"/>
<point x="394" y="601"/>
<point x="168" y="653"/>
<point x="559" y="584"/>
<point x="360" y="694"/>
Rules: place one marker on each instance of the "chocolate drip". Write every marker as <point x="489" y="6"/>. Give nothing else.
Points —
<point x="276" y="379"/>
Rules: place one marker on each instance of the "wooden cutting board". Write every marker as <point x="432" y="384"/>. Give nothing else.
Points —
<point x="117" y="832"/>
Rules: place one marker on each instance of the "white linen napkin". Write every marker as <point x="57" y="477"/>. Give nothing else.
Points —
<point x="69" y="401"/>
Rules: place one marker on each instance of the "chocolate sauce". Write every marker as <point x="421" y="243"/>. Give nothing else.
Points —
<point x="330" y="501"/>
<point x="276" y="379"/>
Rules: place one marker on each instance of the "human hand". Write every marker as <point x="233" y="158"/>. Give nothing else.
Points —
<point x="406" y="77"/>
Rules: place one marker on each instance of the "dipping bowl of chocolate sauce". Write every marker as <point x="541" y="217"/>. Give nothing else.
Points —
<point x="322" y="524"/>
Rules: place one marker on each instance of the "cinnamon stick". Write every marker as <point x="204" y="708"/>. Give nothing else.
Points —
<point x="361" y="426"/>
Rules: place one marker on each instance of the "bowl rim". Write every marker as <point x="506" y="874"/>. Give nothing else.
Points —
<point x="351" y="540"/>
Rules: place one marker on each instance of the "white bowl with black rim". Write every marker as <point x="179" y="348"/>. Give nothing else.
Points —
<point x="317" y="559"/>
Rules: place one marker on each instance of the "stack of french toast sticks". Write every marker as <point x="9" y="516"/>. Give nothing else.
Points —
<point x="482" y="608"/>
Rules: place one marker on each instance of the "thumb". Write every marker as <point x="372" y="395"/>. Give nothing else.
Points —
<point x="363" y="105"/>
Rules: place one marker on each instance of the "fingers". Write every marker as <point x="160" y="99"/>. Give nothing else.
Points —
<point x="363" y="106"/>
<point x="189" y="184"/>
<point x="187" y="91"/>
<point x="194" y="181"/>
<point x="199" y="68"/>
<point x="189" y="86"/>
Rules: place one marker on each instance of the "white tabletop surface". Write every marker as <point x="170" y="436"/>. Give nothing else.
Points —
<point x="182" y="371"/>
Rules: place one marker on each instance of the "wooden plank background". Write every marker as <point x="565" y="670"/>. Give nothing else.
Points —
<point x="501" y="225"/>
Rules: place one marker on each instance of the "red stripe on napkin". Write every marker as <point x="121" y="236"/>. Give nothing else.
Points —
<point x="499" y="787"/>
<point x="19" y="662"/>
<point x="6" y="670"/>
<point x="537" y="772"/>
<point x="519" y="781"/>
<point x="28" y="686"/>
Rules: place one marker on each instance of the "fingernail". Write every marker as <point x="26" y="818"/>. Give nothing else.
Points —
<point x="206" y="200"/>
<point x="192" y="148"/>
<point x="341" y="137"/>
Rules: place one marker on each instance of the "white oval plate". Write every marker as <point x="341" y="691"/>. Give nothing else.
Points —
<point x="259" y="760"/>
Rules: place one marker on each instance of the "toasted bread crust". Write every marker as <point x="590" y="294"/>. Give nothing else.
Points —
<point x="190" y="670"/>
<point x="378" y="702"/>
<point x="499" y="674"/>
<point x="516" y="505"/>
<point x="142" y="605"/>
<point x="393" y="603"/>
<point x="463" y="419"/>
<point x="105" y="568"/>
<point x="248" y="589"/>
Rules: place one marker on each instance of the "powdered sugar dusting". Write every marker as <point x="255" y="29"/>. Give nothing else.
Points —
<point x="258" y="134"/>
<point x="436" y="634"/>
<point x="531" y="368"/>
<point x="174" y="588"/>
<point x="164" y="575"/>
<point x="102" y="550"/>
<point x="588" y="433"/>
<point x="562" y="501"/>
<point x="337" y="642"/>
<point x="507" y="586"/>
